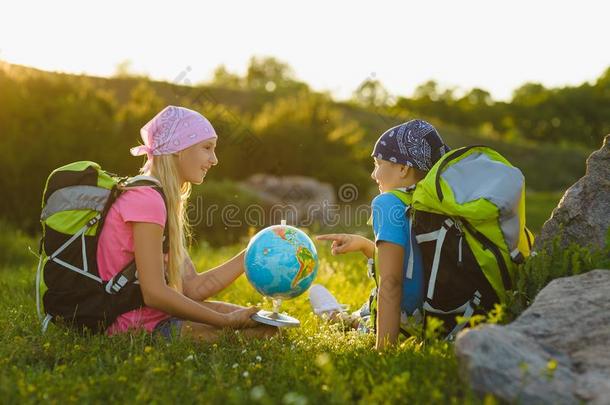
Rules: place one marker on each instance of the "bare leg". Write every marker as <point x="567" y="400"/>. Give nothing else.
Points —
<point x="209" y="333"/>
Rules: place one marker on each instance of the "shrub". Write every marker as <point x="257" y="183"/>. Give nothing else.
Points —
<point x="217" y="212"/>
<point x="547" y="265"/>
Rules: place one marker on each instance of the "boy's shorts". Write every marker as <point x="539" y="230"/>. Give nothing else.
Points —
<point x="169" y="328"/>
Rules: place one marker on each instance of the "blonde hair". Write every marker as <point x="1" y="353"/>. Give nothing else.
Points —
<point x="165" y="169"/>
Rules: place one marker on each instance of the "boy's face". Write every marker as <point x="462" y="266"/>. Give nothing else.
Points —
<point x="389" y="176"/>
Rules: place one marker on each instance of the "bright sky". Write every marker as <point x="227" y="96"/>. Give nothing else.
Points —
<point x="332" y="45"/>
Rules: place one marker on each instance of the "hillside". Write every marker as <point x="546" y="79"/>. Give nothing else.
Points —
<point x="49" y="119"/>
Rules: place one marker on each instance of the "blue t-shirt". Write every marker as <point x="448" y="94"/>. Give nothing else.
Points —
<point x="390" y="224"/>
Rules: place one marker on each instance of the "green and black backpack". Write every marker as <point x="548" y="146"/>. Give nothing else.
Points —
<point x="75" y="202"/>
<point x="468" y="218"/>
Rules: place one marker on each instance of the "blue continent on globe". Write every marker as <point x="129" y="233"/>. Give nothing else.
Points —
<point x="281" y="262"/>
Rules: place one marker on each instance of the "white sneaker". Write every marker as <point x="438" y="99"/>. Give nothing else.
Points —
<point x="322" y="301"/>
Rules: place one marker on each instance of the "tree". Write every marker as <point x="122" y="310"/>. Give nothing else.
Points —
<point x="144" y="103"/>
<point x="428" y="90"/>
<point x="371" y="93"/>
<point x="223" y="78"/>
<point x="269" y="74"/>
<point x="124" y="70"/>
<point x="474" y="109"/>
<point x="306" y="135"/>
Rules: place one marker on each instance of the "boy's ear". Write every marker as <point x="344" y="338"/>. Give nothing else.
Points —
<point x="404" y="171"/>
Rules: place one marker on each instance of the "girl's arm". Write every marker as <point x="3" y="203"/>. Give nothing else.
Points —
<point x="390" y="267"/>
<point x="157" y="294"/>
<point x="200" y="287"/>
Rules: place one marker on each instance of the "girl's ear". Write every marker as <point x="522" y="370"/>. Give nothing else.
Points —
<point x="404" y="171"/>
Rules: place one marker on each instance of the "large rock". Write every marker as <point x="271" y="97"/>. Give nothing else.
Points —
<point x="298" y="199"/>
<point x="584" y="210"/>
<point x="556" y="352"/>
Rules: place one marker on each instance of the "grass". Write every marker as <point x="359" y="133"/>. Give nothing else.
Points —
<point x="315" y="363"/>
<point x="538" y="207"/>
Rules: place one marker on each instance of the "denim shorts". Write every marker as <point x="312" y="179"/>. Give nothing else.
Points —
<point x="169" y="328"/>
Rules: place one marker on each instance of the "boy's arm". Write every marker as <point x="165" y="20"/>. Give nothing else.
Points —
<point x="368" y="247"/>
<point x="390" y="267"/>
<point x="346" y="243"/>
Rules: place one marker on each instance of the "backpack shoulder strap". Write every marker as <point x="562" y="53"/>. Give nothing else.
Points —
<point x="445" y="160"/>
<point x="144" y="181"/>
<point x="129" y="273"/>
<point x="141" y="180"/>
<point x="406" y="196"/>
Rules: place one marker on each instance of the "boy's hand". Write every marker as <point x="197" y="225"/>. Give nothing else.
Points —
<point x="242" y="318"/>
<point x="346" y="243"/>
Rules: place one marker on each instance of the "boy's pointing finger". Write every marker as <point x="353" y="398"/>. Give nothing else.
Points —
<point x="329" y="236"/>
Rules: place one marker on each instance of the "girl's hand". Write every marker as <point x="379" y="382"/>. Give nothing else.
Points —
<point x="241" y="318"/>
<point x="346" y="243"/>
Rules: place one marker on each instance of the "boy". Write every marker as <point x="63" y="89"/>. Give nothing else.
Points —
<point x="402" y="155"/>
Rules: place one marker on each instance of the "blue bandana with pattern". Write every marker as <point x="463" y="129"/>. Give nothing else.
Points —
<point x="415" y="143"/>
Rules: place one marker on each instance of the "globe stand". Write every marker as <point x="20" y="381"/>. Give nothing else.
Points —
<point x="275" y="318"/>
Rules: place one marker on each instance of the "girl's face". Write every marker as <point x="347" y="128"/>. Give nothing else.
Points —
<point x="389" y="176"/>
<point x="195" y="161"/>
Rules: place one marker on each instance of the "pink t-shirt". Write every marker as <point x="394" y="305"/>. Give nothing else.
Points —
<point x="115" y="248"/>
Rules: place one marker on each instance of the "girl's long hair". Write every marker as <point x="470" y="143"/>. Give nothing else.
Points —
<point x="165" y="169"/>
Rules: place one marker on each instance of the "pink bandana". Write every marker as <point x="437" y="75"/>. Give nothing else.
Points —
<point x="172" y="130"/>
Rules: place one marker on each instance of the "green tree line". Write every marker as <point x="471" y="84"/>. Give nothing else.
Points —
<point x="568" y="115"/>
<point x="269" y="122"/>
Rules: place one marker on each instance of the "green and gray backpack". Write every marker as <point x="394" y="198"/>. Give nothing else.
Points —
<point x="75" y="202"/>
<point x="468" y="218"/>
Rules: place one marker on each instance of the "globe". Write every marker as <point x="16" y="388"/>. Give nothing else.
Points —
<point x="281" y="262"/>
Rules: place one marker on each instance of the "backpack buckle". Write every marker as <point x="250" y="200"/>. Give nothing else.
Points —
<point x="93" y="221"/>
<point x="114" y="287"/>
<point x="516" y="256"/>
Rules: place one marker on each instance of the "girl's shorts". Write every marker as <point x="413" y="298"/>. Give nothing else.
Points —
<point x="169" y="328"/>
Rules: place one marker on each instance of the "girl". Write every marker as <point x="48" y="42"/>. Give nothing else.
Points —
<point x="402" y="157"/>
<point x="180" y="146"/>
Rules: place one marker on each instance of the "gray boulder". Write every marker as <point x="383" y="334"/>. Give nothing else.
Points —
<point x="584" y="210"/>
<point x="300" y="200"/>
<point x="556" y="352"/>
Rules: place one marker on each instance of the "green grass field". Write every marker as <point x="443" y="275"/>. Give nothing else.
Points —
<point x="315" y="363"/>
